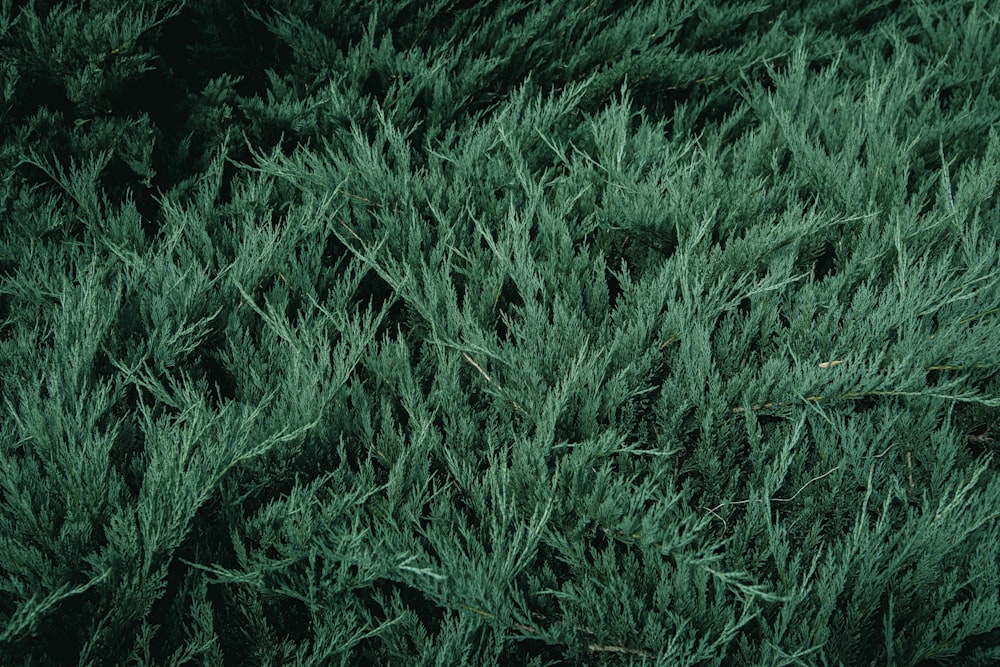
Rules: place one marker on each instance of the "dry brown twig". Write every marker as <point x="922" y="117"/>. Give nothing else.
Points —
<point x="836" y="362"/>
<point x="490" y="381"/>
<point x="783" y="500"/>
<point x="595" y="648"/>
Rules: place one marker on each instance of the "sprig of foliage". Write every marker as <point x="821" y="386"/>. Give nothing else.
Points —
<point x="499" y="334"/>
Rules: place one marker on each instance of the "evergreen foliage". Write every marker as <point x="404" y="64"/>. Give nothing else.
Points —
<point x="499" y="333"/>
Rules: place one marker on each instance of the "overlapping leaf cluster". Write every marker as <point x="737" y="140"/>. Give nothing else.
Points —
<point x="499" y="333"/>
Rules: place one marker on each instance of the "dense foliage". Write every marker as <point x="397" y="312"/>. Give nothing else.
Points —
<point x="540" y="333"/>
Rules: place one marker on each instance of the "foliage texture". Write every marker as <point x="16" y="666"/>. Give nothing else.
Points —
<point x="542" y="333"/>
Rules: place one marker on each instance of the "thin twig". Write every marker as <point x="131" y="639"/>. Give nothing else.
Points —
<point x="620" y="649"/>
<point x="350" y="230"/>
<point x="789" y="498"/>
<point x="837" y="362"/>
<point x="909" y="468"/>
<point x="489" y="380"/>
<point x="478" y="367"/>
